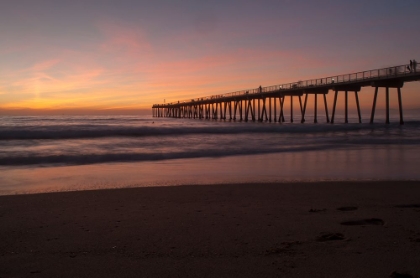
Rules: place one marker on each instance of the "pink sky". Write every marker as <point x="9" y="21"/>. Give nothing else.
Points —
<point x="98" y="56"/>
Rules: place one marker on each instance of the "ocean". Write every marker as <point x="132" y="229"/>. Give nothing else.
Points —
<point x="65" y="153"/>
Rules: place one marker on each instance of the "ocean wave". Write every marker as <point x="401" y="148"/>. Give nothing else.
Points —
<point x="41" y="141"/>
<point x="172" y="150"/>
<point x="82" y="159"/>
<point x="58" y="132"/>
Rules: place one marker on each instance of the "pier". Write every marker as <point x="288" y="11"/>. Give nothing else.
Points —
<point x="266" y="104"/>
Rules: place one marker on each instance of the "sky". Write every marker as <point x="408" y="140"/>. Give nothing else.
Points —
<point x="86" y="56"/>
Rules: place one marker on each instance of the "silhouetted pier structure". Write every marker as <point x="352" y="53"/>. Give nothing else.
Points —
<point x="258" y="104"/>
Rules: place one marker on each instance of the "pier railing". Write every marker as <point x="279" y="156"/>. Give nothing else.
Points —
<point x="375" y="74"/>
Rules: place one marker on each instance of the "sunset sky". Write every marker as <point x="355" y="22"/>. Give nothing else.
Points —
<point x="124" y="55"/>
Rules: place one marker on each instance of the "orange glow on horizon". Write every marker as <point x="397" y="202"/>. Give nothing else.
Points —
<point x="106" y="61"/>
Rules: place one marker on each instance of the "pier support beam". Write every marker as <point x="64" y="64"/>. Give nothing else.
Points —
<point x="275" y="110"/>
<point x="240" y="109"/>
<point x="316" y="108"/>
<point x="281" y="116"/>
<point x="253" y="110"/>
<point x="291" y="109"/>
<point x="400" y="106"/>
<point x="301" y="106"/>
<point x="358" y="106"/>
<point x="326" y="108"/>
<point x="334" y="105"/>
<point x="395" y="84"/>
<point x="235" y="108"/>
<point x="264" y="110"/>
<point x="304" y="109"/>
<point x="387" y="105"/>
<point x="315" y="93"/>
<point x="282" y="98"/>
<point x="346" y="108"/>
<point x="372" y="115"/>
<point x="346" y="89"/>
<point x="250" y="108"/>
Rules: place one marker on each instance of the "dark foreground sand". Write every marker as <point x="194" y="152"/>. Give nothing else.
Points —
<point x="251" y="230"/>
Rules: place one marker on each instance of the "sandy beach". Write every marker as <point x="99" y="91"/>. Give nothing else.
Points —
<point x="323" y="229"/>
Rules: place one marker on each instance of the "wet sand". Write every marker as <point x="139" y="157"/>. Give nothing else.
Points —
<point x="326" y="229"/>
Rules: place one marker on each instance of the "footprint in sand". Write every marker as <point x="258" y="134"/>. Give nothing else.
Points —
<point x="408" y="206"/>
<point x="330" y="236"/>
<point x="317" y="210"/>
<point x="347" y="208"/>
<point x="400" y="275"/>
<point x="370" y="221"/>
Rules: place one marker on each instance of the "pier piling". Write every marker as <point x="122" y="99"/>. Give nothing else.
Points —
<point x="245" y="107"/>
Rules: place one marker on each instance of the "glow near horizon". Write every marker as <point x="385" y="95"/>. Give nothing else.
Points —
<point x="132" y="54"/>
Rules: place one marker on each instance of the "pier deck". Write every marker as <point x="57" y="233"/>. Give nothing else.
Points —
<point x="252" y="103"/>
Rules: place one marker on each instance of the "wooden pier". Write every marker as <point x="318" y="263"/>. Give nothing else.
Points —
<point x="267" y="103"/>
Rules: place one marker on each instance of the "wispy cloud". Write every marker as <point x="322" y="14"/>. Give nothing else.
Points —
<point x="132" y="62"/>
<point x="44" y="65"/>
